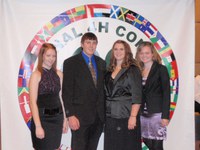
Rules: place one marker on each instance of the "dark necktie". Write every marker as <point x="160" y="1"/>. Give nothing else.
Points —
<point x="93" y="72"/>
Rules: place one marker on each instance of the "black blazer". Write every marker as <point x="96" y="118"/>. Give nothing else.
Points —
<point x="81" y="98"/>
<point x="122" y="92"/>
<point x="156" y="92"/>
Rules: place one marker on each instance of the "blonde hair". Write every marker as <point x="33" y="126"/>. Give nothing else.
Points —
<point x="156" y="56"/>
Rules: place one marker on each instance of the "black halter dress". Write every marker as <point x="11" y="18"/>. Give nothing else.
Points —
<point x="50" y="112"/>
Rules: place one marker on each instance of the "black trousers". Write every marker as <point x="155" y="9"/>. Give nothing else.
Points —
<point x="87" y="136"/>
<point x="153" y="144"/>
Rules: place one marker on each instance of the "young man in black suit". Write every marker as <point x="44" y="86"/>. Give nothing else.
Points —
<point x="83" y="95"/>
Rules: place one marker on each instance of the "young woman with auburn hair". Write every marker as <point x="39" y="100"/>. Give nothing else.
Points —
<point x="48" y="117"/>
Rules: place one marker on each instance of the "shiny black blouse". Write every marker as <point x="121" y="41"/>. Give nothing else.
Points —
<point x="122" y="92"/>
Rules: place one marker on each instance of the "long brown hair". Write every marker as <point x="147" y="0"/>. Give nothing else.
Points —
<point x="45" y="47"/>
<point x="128" y="60"/>
<point x="156" y="56"/>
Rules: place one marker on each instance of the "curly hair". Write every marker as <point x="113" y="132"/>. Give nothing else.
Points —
<point x="128" y="60"/>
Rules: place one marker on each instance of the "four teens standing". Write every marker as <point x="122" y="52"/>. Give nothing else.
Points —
<point x="46" y="105"/>
<point x="155" y="106"/>
<point x="129" y="88"/>
<point x="123" y="92"/>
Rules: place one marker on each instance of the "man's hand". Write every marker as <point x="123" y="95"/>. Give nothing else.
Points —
<point x="74" y="123"/>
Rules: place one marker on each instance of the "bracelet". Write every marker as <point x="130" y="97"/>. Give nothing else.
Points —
<point x="132" y="116"/>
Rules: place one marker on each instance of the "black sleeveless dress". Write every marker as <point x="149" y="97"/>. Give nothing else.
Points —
<point x="50" y="112"/>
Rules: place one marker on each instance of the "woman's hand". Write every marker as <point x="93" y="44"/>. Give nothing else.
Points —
<point x="165" y="122"/>
<point x="131" y="122"/>
<point x="39" y="132"/>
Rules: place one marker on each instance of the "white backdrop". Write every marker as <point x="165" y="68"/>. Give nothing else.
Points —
<point x="22" y="21"/>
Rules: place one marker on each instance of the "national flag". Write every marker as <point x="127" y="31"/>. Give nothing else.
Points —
<point x="171" y="113"/>
<point x="101" y="12"/>
<point x="24" y="73"/>
<point x="150" y="27"/>
<point x="98" y="10"/>
<point x="158" y="45"/>
<point x="149" y="30"/>
<point x="23" y="90"/>
<point x="169" y="59"/>
<point x="175" y="70"/>
<point x="174" y="83"/>
<point x="130" y="17"/>
<point x="22" y="81"/>
<point x="172" y="105"/>
<point x="118" y="13"/>
<point x="158" y="40"/>
<point x="35" y="45"/>
<point x="43" y="35"/>
<point x="27" y="114"/>
<point x="115" y="10"/>
<point x="57" y="23"/>
<point x="35" y="42"/>
<point x="48" y="29"/>
<point x="144" y="22"/>
<point x="138" y="23"/>
<point x="164" y="51"/>
<point x="77" y="13"/>
<point x="173" y="57"/>
<point x="167" y="64"/>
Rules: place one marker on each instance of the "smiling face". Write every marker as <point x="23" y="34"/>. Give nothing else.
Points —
<point x="146" y="55"/>
<point x="119" y="52"/>
<point x="49" y="57"/>
<point x="89" y="47"/>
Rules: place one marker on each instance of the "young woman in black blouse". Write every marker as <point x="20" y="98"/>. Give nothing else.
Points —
<point x="123" y="89"/>
<point x="155" y="106"/>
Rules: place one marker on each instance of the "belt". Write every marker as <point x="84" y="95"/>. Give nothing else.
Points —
<point x="51" y="112"/>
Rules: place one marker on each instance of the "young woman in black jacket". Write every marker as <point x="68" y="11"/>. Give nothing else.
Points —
<point x="155" y="106"/>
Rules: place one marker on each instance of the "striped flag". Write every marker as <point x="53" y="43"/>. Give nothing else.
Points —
<point x="77" y="13"/>
<point x="165" y="51"/>
<point x="57" y="23"/>
<point x="173" y="105"/>
<point x="98" y="10"/>
<point x="101" y="12"/>
<point x="174" y="70"/>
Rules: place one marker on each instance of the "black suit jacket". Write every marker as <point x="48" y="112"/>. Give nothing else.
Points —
<point x="156" y="92"/>
<point x="81" y="98"/>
